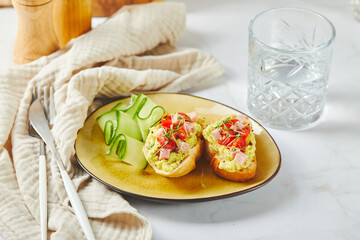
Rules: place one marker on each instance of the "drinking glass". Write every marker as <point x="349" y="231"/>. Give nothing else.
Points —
<point x="289" y="62"/>
<point x="356" y="8"/>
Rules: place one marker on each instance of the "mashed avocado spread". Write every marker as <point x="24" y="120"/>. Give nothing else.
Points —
<point x="175" y="158"/>
<point x="228" y="163"/>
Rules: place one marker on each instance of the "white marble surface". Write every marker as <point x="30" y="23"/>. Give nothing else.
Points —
<point x="316" y="194"/>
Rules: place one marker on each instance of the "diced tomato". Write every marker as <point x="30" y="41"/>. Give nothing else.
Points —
<point x="170" y="143"/>
<point x="228" y="135"/>
<point x="166" y="121"/>
<point x="224" y="140"/>
<point x="162" y="140"/>
<point x="246" y="130"/>
<point x="239" y="142"/>
<point x="180" y="134"/>
<point x="187" y="118"/>
<point x="231" y="132"/>
<point x="231" y="122"/>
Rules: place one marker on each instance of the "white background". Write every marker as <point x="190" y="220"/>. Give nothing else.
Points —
<point x="316" y="194"/>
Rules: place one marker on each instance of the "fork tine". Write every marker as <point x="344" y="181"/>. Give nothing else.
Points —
<point x="51" y="107"/>
<point x="33" y="94"/>
<point x="32" y="131"/>
<point x="45" y="103"/>
<point x="46" y="97"/>
<point x="38" y="96"/>
<point x="41" y="93"/>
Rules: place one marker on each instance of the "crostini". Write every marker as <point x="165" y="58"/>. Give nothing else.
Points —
<point x="175" y="144"/>
<point x="230" y="146"/>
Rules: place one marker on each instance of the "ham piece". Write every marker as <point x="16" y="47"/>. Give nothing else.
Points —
<point x="239" y="125"/>
<point x="241" y="118"/>
<point x="184" y="147"/>
<point x="233" y="153"/>
<point x="177" y="118"/>
<point x="216" y="134"/>
<point x="193" y="116"/>
<point x="160" y="132"/>
<point x="164" y="153"/>
<point x="189" y="127"/>
<point x="241" y="158"/>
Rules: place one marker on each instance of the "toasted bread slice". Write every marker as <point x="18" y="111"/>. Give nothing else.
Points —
<point x="218" y="155"/>
<point x="241" y="175"/>
<point x="164" y="147"/>
<point x="187" y="164"/>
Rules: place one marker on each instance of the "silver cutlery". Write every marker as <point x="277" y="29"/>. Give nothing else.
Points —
<point x="38" y="93"/>
<point x="40" y="124"/>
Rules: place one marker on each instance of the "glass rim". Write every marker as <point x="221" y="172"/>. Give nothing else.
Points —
<point x="322" y="46"/>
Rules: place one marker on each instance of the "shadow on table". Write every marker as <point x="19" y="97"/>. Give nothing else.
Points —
<point x="281" y="191"/>
<point x="245" y="206"/>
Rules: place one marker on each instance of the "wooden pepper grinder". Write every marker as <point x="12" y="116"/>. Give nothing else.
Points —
<point x="71" y="18"/>
<point x="35" y="35"/>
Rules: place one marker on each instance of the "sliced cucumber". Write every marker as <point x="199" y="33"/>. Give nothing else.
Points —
<point x="128" y="150"/>
<point x="149" y="114"/>
<point x="108" y="124"/>
<point x="118" y="147"/>
<point x="135" y="104"/>
<point x="115" y="122"/>
<point x="103" y="118"/>
<point x="128" y="126"/>
<point x="108" y="132"/>
<point x="134" y="154"/>
<point x="120" y="106"/>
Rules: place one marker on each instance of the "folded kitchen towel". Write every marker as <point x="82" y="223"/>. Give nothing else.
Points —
<point x="131" y="52"/>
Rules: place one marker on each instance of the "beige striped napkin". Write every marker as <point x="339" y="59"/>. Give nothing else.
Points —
<point x="132" y="51"/>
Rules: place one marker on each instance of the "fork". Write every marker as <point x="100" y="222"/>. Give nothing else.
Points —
<point x="47" y="102"/>
<point x="41" y="125"/>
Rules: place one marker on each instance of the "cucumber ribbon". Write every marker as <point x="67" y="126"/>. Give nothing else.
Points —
<point x="125" y="128"/>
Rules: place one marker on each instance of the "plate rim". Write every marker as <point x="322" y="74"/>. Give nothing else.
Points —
<point x="180" y="200"/>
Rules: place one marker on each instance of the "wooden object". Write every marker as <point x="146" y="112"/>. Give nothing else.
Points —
<point x="100" y="8"/>
<point x="5" y="3"/>
<point x="106" y="8"/>
<point x="35" y="35"/>
<point x="71" y="18"/>
<point x="46" y="25"/>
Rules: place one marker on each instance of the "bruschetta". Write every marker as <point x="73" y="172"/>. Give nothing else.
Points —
<point x="174" y="145"/>
<point x="230" y="146"/>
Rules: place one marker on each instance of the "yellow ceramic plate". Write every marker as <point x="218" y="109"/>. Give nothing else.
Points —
<point x="199" y="185"/>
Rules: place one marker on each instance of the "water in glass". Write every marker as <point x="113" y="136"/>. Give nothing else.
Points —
<point x="288" y="68"/>
<point x="286" y="92"/>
